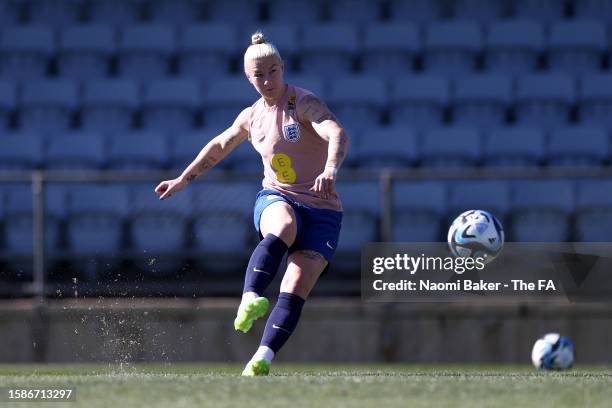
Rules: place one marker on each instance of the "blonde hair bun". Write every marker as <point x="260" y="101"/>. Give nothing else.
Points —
<point x="258" y="38"/>
<point x="260" y="47"/>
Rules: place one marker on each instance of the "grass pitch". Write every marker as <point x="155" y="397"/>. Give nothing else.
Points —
<point x="293" y="386"/>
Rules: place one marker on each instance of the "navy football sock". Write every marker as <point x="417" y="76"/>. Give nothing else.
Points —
<point x="264" y="263"/>
<point x="282" y="321"/>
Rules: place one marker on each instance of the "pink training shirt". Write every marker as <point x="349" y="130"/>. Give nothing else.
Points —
<point x="293" y="154"/>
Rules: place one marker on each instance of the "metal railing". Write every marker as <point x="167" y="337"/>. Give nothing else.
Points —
<point x="385" y="177"/>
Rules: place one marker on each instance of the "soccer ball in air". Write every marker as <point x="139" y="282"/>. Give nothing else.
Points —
<point x="476" y="234"/>
<point x="553" y="352"/>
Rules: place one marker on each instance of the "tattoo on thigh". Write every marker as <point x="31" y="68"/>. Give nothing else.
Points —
<point x="312" y="255"/>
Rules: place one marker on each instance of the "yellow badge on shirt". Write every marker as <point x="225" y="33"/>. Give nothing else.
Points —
<point x="282" y="164"/>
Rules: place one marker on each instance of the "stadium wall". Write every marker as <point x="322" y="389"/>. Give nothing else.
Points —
<point x="332" y="330"/>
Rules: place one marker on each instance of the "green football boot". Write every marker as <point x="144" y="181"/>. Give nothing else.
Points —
<point x="256" y="368"/>
<point x="251" y="312"/>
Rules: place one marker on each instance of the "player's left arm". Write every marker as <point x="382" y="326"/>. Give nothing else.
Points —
<point x="312" y="109"/>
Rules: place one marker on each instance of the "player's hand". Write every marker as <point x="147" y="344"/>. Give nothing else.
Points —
<point x="325" y="184"/>
<point x="166" y="188"/>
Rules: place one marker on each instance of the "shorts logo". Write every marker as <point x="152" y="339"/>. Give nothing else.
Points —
<point x="291" y="132"/>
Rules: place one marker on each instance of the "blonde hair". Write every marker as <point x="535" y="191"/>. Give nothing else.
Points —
<point x="260" y="47"/>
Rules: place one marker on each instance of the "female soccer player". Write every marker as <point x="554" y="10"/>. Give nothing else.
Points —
<point x="302" y="146"/>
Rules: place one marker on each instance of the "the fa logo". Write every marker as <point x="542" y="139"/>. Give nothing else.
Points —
<point x="292" y="132"/>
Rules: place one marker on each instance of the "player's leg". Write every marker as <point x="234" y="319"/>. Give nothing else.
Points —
<point x="303" y="271"/>
<point x="278" y="226"/>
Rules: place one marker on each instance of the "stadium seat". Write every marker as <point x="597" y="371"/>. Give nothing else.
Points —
<point x="578" y="146"/>
<point x="223" y="224"/>
<point x="540" y="210"/>
<point x="328" y="49"/>
<point x="422" y="11"/>
<point x="595" y="100"/>
<point x="514" y="46"/>
<point x="234" y="11"/>
<point x="390" y="49"/>
<point x="10" y="12"/>
<point x="594" y="211"/>
<point x="419" y="101"/>
<point x="21" y="151"/>
<point x="385" y="147"/>
<point x="138" y="151"/>
<point x="577" y="46"/>
<point x="18" y="225"/>
<point x="76" y="151"/>
<point x="145" y="51"/>
<point x="301" y="11"/>
<point x="109" y="105"/>
<point x="492" y="196"/>
<point x="593" y="10"/>
<point x="170" y="105"/>
<point x="8" y="102"/>
<point x="418" y="208"/>
<point x="202" y="54"/>
<point x="544" y="100"/>
<point x="2" y="218"/>
<point x="482" y="100"/>
<point x="360" y="222"/>
<point x="47" y="106"/>
<point x="56" y="13"/>
<point x="355" y="11"/>
<point x="450" y="147"/>
<point x="514" y="147"/>
<point x="94" y="226"/>
<point x="158" y="230"/>
<point x="185" y="147"/>
<point x="451" y="47"/>
<point x="175" y="12"/>
<point x="225" y="98"/>
<point x="113" y="12"/>
<point x="541" y="10"/>
<point x="312" y="83"/>
<point x="482" y="11"/>
<point x="85" y="51"/>
<point x="26" y="51"/>
<point x="358" y="100"/>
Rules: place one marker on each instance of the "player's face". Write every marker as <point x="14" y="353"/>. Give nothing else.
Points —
<point x="266" y="75"/>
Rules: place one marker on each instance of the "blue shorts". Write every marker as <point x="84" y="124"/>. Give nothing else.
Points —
<point x="317" y="229"/>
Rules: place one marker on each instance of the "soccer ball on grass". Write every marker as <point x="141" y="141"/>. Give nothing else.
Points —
<point x="553" y="352"/>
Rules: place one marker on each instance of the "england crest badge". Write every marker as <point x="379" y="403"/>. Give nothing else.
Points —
<point x="292" y="132"/>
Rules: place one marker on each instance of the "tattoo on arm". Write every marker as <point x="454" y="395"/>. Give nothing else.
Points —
<point x="315" y="110"/>
<point x="338" y="147"/>
<point x="230" y="141"/>
<point x="206" y="164"/>
<point x="191" y="177"/>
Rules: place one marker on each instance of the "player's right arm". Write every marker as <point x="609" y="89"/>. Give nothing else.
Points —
<point x="209" y="156"/>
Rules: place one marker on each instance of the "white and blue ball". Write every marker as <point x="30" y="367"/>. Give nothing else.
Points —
<point x="476" y="234"/>
<point x="553" y="352"/>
